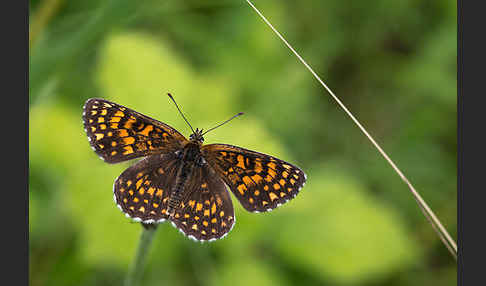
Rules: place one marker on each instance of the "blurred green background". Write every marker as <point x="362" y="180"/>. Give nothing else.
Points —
<point x="393" y="64"/>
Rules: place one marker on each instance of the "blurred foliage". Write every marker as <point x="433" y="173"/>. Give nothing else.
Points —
<point x="354" y="223"/>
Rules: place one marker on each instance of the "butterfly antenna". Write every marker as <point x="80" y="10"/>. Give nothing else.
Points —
<point x="234" y="116"/>
<point x="181" y="112"/>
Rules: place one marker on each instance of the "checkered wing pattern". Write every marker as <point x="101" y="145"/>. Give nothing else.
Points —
<point x="206" y="213"/>
<point x="142" y="191"/>
<point x="117" y="133"/>
<point x="259" y="181"/>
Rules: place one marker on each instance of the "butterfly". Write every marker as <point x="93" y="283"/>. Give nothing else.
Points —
<point x="181" y="180"/>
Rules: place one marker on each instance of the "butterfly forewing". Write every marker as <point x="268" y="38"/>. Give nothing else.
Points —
<point x="142" y="191"/>
<point x="118" y="133"/>
<point x="207" y="212"/>
<point x="259" y="181"/>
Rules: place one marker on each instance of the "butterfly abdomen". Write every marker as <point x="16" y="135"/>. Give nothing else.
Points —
<point x="190" y="155"/>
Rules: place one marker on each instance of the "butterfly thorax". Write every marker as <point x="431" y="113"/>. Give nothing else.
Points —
<point x="191" y="158"/>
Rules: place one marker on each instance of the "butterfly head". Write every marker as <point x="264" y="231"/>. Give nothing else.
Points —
<point x="197" y="136"/>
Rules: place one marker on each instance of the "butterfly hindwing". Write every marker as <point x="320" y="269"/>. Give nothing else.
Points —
<point x="118" y="133"/>
<point x="259" y="181"/>
<point x="142" y="191"/>
<point x="207" y="212"/>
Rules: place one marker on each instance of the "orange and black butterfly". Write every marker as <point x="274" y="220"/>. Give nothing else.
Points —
<point x="183" y="180"/>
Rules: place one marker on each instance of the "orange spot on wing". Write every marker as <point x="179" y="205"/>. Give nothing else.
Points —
<point x="258" y="167"/>
<point x="242" y="188"/>
<point x="138" y="183"/>
<point x="257" y="178"/>
<point x="272" y="173"/>
<point x="272" y="165"/>
<point x="128" y="150"/>
<point x="119" y="114"/>
<point x="129" y="123"/>
<point x="123" y="133"/>
<point x="147" y="129"/>
<point x="247" y="180"/>
<point x="241" y="163"/>
<point x="272" y="196"/>
<point x="151" y="191"/>
<point x="128" y="140"/>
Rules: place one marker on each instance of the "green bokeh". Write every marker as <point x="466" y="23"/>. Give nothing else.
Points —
<point x="354" y="223"/>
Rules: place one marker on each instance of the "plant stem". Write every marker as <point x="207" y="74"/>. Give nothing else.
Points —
<point x="429" y="214"/>
<point x="135" y="275"/>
